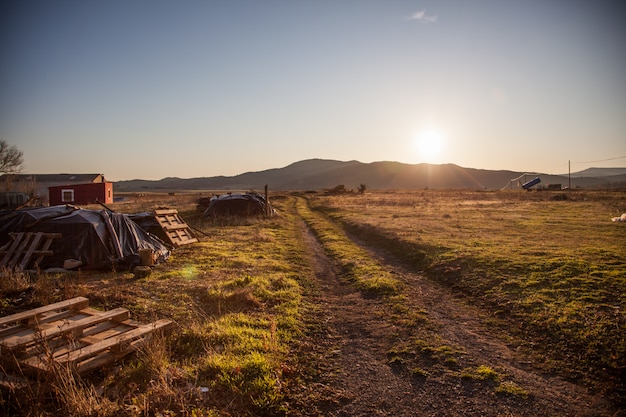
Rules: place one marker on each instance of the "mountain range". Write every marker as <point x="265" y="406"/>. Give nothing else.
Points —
<point x="319" y="174"/>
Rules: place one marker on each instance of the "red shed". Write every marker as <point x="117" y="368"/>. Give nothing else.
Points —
<point x="81" y="193"/>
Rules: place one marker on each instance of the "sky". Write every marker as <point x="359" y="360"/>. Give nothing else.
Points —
<point x="147" y="89"/>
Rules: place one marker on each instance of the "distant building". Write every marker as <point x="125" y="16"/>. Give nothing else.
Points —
<point x="37" y="185"/>
<point x="77" y="194"/>
<point x="12" y="199"/>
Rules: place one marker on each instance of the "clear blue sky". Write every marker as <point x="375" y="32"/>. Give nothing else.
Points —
<point x="151" y="89"/>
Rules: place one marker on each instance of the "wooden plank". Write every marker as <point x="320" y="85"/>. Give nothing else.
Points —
<point x="169" y="227"/>
<point x="10" y="253"/>
<point x="61" y="347"/>
<point x="25" y="237"/>
<point x="46" y="246"/>
<point x="13" y="382"/>
<point x="90" y="337"/>
<point x="74" y="303"/>
<point x="44" y="321"/>
<point x="115" y="343"/>
<point x="165" y="211"/>
<point x="10" y="330"/>
<point x="65" y="327"/>
<point x="184" y="240"/>
<point x="108" y="357"/>
<point x="47" y="319"/>
<point x="5" y="247"/>
<point x="33" y="245"/>
<point x="94" y="334"/>
<point x="24" y="246"/>
<point x="181" y="234"/>
<point x="13" y="246"/>
<point x="106" y="330"/>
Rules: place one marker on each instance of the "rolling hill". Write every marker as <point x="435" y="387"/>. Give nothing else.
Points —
<point x="316" y="174"/>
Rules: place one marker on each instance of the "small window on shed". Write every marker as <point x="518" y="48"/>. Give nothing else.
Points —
<point x="67" y="196"/>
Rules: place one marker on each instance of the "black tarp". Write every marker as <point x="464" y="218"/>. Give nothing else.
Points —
<point x="236" y="204"/>
<point x="148" y="222"/>
<point x="97" y="238"/>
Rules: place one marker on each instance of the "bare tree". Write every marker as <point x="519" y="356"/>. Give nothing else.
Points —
<point x="11" y="159"/>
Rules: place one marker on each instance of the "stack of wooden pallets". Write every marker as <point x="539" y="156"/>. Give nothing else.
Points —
<point x="70" y="333"/>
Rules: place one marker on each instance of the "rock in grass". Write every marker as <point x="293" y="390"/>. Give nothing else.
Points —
<point x="142" y="271"/>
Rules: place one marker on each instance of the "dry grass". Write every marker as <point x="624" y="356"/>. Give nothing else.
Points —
<point x="552" y="272"/>
<point x="234" y="297"/>
<point x="77" y="397"/>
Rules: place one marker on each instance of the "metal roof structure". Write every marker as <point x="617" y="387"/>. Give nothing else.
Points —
<point x="37" y="184"/>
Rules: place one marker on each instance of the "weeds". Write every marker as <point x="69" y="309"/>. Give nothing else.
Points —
<point x="77" y="397"/>
<point x="481" y="372"/>
<point x="510" y="388"/>
<point x="488" y="374"/>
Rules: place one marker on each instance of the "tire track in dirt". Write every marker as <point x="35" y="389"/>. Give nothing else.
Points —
<point x="349" y="338"/>
<point x="463" y="325"/>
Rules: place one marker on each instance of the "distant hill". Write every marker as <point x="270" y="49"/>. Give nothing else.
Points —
<point x="599" y="172"/>
<point x="318" y="174"/>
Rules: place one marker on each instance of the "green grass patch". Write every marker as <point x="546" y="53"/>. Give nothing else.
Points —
<point x="481" y="372"/>
<point x="236" y="300"/>
<point x="510" y="388"/>
<point x="356" y="265"/>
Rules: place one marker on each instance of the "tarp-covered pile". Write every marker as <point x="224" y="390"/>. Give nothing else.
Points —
<point x="96" y="238"/>
<point x="246" y="204"/>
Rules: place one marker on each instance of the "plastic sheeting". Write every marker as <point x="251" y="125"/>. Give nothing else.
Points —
<point x="149" y="223"/>
<point x="248" y="204"/>
<point x="97" y="238"/>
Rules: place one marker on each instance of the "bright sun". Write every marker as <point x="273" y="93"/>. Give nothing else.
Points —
<point x="429" y="145"/>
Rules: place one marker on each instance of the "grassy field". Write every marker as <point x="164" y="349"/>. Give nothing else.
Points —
<point x="549" y="269"/>
<point x="235" y="298"/>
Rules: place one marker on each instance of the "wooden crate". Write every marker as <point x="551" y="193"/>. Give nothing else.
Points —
<point x="178" y="232"/>
<point x="70" y="333"/>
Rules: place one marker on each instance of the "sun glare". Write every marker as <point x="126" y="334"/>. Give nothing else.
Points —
<point x="429" y="145"/>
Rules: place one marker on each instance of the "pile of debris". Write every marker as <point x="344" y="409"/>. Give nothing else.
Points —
<point x="70" y="237"/>
<point x="238" y="204"/>
<point x="621" y="218"/>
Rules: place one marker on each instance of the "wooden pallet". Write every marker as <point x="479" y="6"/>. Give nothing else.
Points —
<point x="178" y="232"/>
<point x="18" y="253"/>
<point x="70" y="333"/>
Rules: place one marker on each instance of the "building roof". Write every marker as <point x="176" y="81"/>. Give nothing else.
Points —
<point x="58" y="178"/>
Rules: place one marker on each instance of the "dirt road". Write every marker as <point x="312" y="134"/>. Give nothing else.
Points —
<point x="351" y="369"/>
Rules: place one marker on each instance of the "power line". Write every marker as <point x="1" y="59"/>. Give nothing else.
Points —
<point x="599" y="160"/>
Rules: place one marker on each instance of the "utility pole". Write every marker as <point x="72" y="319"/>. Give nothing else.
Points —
<point x="267" y="202"/>
<point x="569" y="175"/>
